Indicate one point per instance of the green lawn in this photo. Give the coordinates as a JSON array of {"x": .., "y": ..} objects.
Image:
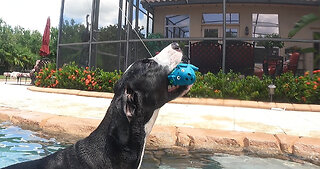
[{"x": 2, "y": 77}]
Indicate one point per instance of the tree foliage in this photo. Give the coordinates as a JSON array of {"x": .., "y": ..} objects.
[{"x": 19, "y": 48}]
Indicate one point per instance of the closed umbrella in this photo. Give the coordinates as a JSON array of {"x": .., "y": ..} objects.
[{"x": 44, "y": 50}]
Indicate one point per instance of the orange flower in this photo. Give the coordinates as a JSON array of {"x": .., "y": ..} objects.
[
  {"x": 217, "y": 91},
  {"x": 300, "y": 77},
  {"x": 100, "y": 87},
  {"x": 87, "y": 82},
  {"x": 60, "y": 69},
  {"x": 87, "y": 68},
  {"x": 89, "y": 76},
  {"x": 319, "y": 79},
  {"x": 77, "y": 71},
  {"x": 93, "y": 74},
  {"x": 306, "y": 73},
  {"x": 308, "y": 83},
  {"x": 315, "y": 87}
]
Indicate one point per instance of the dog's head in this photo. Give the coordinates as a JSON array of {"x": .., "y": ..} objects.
[{"x": 144, "y": 87}]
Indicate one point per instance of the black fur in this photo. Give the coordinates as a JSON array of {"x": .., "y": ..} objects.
[{"x": 119, "y": 139}]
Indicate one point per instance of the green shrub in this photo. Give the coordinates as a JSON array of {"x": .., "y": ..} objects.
[
  {"x": 303, "y": 89},
  {"x": 74, "y": 77},
  {"x": 231, "y": 86}
]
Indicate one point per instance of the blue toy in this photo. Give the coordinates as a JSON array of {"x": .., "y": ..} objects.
[{"x": 183, "y": 74}]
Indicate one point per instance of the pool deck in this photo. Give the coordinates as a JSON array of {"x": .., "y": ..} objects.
[{"x": 280, "y": 130}]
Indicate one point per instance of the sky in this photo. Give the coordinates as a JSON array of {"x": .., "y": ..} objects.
[{"x": 33, "y": 14}]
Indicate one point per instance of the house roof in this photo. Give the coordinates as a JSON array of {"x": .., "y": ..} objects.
[{"x": 149, "y": 4}]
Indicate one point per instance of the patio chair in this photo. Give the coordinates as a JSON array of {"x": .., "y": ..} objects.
[
  {"x": 292, "y": 63},
  {"x": 276, "y": 68},
  {"x": 240, "y": 58},
  {"x": 36, "y": 69},
  {"x": 207, "y": 56}
]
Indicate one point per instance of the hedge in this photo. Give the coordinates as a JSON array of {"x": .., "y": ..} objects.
[{"x": 302, "y": 89}]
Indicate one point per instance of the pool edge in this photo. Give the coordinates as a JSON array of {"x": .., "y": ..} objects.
[{"x": 177, "y": 139}]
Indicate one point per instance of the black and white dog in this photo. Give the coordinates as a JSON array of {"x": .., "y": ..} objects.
[{"x": 119, "y": 140}]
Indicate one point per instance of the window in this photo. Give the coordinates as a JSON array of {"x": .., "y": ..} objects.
[
  {"x": 231, "y": 33},
  {"x": 177, "y": 26},
  {"x": 212, "y": 33},
  {"x": 212, "y": 24},
  {"x": 217, "y": 18},
  {"x": 264, "y": 24}
]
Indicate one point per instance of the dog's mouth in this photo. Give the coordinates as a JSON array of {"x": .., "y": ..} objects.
[
  {"x": 176, "y": 89},
  {"x": 172, "y": 88}
]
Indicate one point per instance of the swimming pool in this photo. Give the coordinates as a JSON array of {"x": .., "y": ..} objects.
[{"x": 18, "y": 145}]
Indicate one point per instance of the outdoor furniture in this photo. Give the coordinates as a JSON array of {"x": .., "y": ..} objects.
[
  {"x": 37, "y": 67},
  {"x": 292, "y": 63},
  {"x": 240, "y": 58},
  {"x": 207, "y": 56},
  {"x": 275, "y": 66},
  {"x": 16, "y": 75}
]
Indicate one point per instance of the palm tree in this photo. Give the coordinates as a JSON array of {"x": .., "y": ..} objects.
[{"x": 303, "y": 22}]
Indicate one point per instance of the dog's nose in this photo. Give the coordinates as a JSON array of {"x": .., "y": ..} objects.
[{"x": 175, "y": 46}]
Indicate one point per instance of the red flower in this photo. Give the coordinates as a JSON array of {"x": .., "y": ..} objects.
[
  {"x": 89, "y": 76},
  {"x": 304, "y": 99},
  {"x": 319, "y": 79},
  {"x": 100, "y": 87},
  {"x": 77, "y": 71},
  {"x": 60, "y": 69},
  {"x": 308, "y": 83},
  {"x": 87, "y": 68},
  {"x": 315, "y": 87},
  {"x": 110, "y": 81}
]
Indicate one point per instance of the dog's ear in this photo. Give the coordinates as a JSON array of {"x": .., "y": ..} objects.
[
  {"x": 130, "y": 101},
  {"x": 127, "y": 110}
]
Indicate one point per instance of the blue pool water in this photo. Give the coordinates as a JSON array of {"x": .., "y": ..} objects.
[{"x": 18, "y": 145}]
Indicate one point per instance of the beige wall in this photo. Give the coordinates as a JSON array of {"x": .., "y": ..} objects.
[{"x": 288, "y": 16}]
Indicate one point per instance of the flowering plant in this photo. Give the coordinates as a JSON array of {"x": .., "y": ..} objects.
[
  {"x": 74, "y": 77},
  {"x": 289, "y": 88}
]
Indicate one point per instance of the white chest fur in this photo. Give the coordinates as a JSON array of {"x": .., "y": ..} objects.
[{"x": 147, "y": 129}]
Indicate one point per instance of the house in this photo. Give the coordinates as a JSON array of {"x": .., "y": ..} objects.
[{"x": 244, "y": 19}]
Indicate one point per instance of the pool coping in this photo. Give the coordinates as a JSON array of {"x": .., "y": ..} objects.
[
  {"x": 180, "y": 139},
  {"x": 198, "y": 101},
  {"x": 177, "y": 140}
]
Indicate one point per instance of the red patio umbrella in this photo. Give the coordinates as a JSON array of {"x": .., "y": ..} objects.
[{"x": 44, "y": 50}]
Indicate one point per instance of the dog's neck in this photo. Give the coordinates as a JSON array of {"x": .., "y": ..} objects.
[{"x": 125, "y": 140}]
